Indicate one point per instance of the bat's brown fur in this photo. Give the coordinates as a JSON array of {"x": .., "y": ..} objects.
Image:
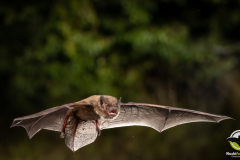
[{"x": 93, "y": 111}]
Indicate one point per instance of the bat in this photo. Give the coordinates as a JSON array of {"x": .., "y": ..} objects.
[{"x": 81, "y": 122}]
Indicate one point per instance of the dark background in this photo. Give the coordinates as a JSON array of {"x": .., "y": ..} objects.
[{"x": 179, "y": 53}]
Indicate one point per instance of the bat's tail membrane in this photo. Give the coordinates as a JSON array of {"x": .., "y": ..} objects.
[{"x": 79, "y": 133}]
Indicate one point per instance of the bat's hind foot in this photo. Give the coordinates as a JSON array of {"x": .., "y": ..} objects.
[
  {"x": 97, "y": 128},
  {"x": 99, "y": 131},
  {"x": 62, "y": 135}
]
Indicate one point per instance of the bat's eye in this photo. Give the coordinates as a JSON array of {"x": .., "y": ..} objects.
[{"x": 106, "y": 107}]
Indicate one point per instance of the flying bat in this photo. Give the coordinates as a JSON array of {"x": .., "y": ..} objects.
[{"x": 81, "y": 122}]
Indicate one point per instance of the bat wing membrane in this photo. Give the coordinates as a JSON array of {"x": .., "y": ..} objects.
[
  {"x": 157, "y": 117},
  {"x": 51, "y": 119}
]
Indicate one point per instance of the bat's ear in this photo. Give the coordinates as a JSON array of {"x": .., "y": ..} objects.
[
  {"x": 119, "y": 102},
  {"x": 102, "y": 102}
]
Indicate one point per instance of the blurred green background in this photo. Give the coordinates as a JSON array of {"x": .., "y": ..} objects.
[{"x": 179, "y": 53}]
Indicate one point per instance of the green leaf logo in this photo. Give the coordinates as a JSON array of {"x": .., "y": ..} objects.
[{"x": 234, "y": 145}]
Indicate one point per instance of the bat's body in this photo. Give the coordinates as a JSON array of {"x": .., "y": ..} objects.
[{"x": 81, "y": 122}]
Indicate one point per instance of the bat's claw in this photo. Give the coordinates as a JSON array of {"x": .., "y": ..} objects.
[
  {"x": 62, "y": 135},
  {"x": 99, "y": 131}
]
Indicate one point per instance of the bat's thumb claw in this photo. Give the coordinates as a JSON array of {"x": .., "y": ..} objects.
[{"x": 62, "y": 135}]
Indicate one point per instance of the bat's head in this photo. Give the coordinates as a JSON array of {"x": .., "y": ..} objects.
[{"x": 109, "y": 105}]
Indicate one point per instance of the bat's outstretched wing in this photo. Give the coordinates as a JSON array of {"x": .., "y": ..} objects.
[
  {"x": 51, "y": 119},
  {"x": 77, "y": 133},
  {"x": 157, "y": 117}
]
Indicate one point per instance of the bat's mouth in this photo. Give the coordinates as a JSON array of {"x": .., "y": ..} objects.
[{"x": 112, "y": 112}]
